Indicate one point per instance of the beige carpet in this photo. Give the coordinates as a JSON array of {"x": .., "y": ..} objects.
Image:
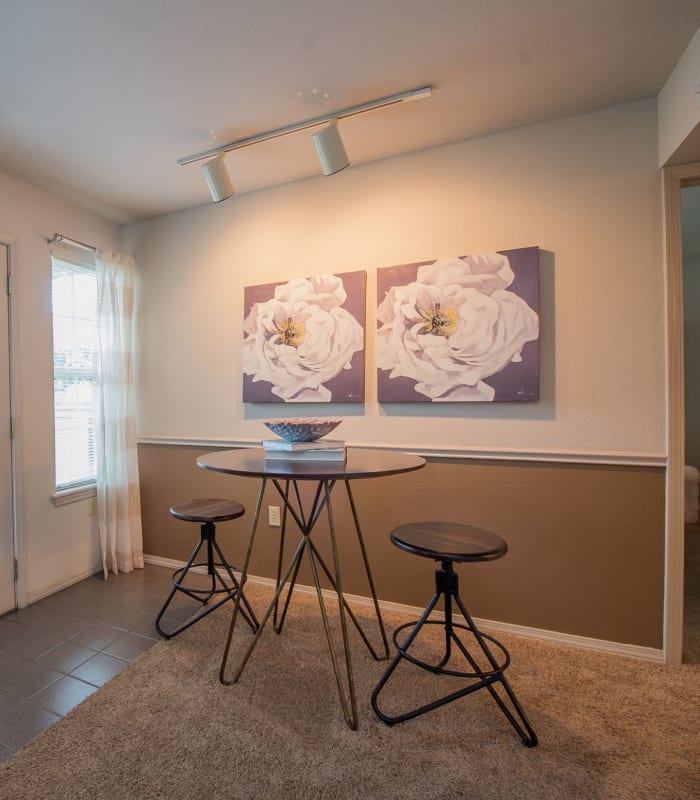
[{"x": 609, "y": 727}]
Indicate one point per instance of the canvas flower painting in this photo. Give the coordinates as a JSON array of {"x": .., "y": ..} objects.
[
  {"x": 304, "y": 340},
  {"x": 460, "y": 329}
]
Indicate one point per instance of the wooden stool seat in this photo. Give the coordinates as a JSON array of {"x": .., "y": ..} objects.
[
  {"x": 467, "y": 653},
  {"x": 449, "y": 541},
  {"x": 207, "y": 511}
]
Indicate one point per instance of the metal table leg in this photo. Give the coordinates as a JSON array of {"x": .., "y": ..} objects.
[{"x": 306, "y": 522}]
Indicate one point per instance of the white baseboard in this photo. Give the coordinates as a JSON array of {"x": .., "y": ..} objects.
[
  {"x": 567, "y": 639},
  {"x": 52, "y": 588}
]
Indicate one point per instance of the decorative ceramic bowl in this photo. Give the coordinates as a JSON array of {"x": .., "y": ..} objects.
[{"x": 302, "y": 430}]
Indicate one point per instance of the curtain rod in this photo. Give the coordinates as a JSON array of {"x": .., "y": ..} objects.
[{"x": 59, "y": 237}]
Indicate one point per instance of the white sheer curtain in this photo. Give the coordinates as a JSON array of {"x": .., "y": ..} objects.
[{"x": 118, "y": 500}]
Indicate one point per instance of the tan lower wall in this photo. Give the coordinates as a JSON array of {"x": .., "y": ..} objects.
[{"x": 586, "y": 542}]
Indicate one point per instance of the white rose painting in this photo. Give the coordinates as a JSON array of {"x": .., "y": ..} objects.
[
  {"x": 304, "y": 340},
  {"x": 460, "y": 329}
]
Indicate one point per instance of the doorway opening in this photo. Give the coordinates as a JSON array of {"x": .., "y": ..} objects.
[
  {"x": 675, "y": 179},
  {"x": 690, "y": 219}
]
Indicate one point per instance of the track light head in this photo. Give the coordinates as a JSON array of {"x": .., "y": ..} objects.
[
  {"x": 330, "y": 149},
  {"x": 217, "y": 178}
]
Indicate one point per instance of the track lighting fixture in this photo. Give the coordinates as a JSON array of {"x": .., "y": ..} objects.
[
  {"x": 329, "y": 145},
  {"x": 217, "y": 178}
]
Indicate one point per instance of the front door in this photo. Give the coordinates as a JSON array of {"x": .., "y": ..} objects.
[{"x": 7, "y": 550}]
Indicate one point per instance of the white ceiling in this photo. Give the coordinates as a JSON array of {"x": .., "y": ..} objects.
[{"x": 99, "y": 98}]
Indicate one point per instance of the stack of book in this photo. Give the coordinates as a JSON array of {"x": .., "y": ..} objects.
[{"x": 320, "y": 450}]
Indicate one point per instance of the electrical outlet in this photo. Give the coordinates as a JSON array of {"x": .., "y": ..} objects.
[
  {"x": 273, "y": 514},
  {"x": 92, "y": 506}
]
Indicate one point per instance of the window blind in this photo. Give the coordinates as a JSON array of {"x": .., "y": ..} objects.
[{"x": 75, "y": 338}]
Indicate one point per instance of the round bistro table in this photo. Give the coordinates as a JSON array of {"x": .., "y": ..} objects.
[{"x": 285, "y": 476}]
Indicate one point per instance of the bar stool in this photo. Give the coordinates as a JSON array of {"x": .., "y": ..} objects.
[
  {"x": 449, "y": 542},
  {"x": 207, "y": 511}
]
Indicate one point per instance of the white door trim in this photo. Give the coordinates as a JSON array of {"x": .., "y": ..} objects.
[
  {"x": 20, "y": 587},
  {"x": 673, "y": 180},
  {"x": 9, "y": 598}
]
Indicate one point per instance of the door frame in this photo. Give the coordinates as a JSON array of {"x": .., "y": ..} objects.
[
  {"x": 674, "y": 179},
  {"x": 10, "y": 243}
]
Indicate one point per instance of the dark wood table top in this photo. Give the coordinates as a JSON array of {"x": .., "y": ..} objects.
[{"x": 360, "y": 463}]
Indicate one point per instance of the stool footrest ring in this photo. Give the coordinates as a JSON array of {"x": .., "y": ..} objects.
[
  {"x": 193, "y": 591},
  {"x": 441, "y": 670}
]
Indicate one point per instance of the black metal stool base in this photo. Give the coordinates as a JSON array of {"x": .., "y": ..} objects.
[
  {"x": 219, "y": 586},
  {"x": 446, "y": 585}
]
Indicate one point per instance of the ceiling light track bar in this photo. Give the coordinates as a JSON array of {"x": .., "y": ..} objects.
[
  {"x": 394, "y": 99},
  {"x": 59, "y": 237}
]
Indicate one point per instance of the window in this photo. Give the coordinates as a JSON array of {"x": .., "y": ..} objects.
[{"x": 74, "y": 301}]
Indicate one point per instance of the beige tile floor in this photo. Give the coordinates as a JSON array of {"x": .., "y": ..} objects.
[{"x": 57, "y": 652}]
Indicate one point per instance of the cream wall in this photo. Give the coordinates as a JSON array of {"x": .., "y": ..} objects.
[
  {"x": 585, "y": 189},
  {"x": 57, "y": 545}
]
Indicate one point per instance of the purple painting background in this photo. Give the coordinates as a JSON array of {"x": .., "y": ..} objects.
[
  {"x": 518, "y": 381},
  {"x": 349, "y": 385}
]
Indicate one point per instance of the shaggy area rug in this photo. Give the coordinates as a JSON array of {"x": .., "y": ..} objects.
[{"x": 609, "y": 727}]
